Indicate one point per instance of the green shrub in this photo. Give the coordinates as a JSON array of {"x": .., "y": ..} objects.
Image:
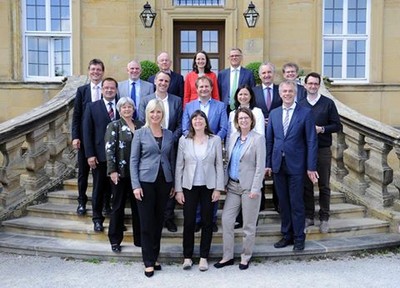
[
  {"x": 254, "y": 66},
  {"x": 149, "y": 68}
]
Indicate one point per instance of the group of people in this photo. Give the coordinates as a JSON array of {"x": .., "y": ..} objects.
[{"x": 160, "y": 141}]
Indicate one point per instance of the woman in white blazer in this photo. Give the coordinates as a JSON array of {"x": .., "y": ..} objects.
[
  {"x": 244, "y": 176},
  {"x": 244, "y": 97},
  {"x": 198, "y": 179}
]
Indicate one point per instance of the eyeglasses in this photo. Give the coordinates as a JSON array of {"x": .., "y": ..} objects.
[
  {"x": 235, "y": 56},
  {"x": 312, "y": 84}
]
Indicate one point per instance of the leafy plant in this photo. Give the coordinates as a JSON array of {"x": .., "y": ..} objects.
[
  {"x": 149, "y": 68},
  {"x": 254, "y": 66}
]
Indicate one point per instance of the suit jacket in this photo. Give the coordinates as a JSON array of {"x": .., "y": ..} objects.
[
  {"x": 176, "y": 85},
  {"x": 147, "y": 157},
  {"x": 190, "y": 92},
  {"x": 301, "y": 93},
  {"x": 300, "y": 145},
  {"x": 260, "y": 99},
  {"x": 217, "y": 118},
  {"x": 146, "y": 88},
  {"x": 186, "y": 163},
  {"x": 224, "y": 82},
  {"x": 82, "y": 98},
  {"x": 95, "y": 124},
  {"x": 252, "y": 161},
  {"x": 175, "y": 113}
]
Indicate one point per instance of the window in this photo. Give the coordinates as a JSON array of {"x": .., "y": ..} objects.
[
  {"x": 198, "y": 2},
  {"x": 47, "y": 39},
  {"x": 191, "y": 37},
  {"x": 346, "y": 40}
]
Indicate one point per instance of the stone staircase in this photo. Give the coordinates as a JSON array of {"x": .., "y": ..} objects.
[{"x": 54, "y": 229}]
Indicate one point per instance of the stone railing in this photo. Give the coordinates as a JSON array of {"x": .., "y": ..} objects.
[
  {"x": 35, "y": 149},
  {"x": 36, "y": 157},
  {"x": 361, "y": 154}
]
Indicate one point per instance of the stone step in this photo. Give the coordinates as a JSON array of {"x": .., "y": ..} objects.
[
  {"x": 70, "y": 197},
  {"x": 100, "y": 250},
  {"x": 268, "y": 216},
  {"x": 83, "y": 230}
]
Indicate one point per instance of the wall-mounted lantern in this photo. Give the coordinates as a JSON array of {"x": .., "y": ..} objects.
[
  {"x": 251, "y": 15},
  {"x": 147, "y": 16}
]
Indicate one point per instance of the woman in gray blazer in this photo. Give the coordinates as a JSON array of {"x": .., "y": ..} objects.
[
  {"x": 244, "y": 176},
  {"x": 152, "y": 176},
  {"x": 198, "y": 180}
]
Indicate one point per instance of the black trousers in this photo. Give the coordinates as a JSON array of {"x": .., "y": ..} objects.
[
  {"x": 197, "y": 195},
  {"x": 122, "y": 192},
  {"x": 83, "y": 175},
  {"x": 324, "y": 172},
  {"x": 151, "y": 214},
  {"x": 101, "y": 188}
]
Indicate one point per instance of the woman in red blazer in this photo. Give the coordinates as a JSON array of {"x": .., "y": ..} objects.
[{"x": 201, "y": 66}]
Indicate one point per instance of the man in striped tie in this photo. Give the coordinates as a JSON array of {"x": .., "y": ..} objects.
[
  {"x": 97, "y": 116},
  {"x": 291, "y": 152}
]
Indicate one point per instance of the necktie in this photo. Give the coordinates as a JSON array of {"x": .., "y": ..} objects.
[
  {"x": 286, "y": 121},
  {"x": 133, "y": 96},
  {"x": 96, "y": 93},
  {"x": 233, "y": 90},
  {"x": 111, "y": 111},
  {"x": 269, "y": 98}
]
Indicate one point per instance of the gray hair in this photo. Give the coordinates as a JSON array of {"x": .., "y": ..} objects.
[
  {"x": 151, "y": 106},
  {"x": 124, "y": 100}
]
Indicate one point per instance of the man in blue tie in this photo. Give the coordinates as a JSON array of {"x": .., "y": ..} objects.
[
  {"x": 134, "y": 87},
  {"x": 291, "y": 152}
]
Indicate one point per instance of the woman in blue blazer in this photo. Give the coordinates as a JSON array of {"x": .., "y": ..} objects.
[
  {"x": 152, "y": 176},
  {"x": 198, "y": 180}
]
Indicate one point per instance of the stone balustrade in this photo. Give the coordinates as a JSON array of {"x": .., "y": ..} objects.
[
  {"x": 35, "y": 149},
  {"x": 37, "y": 156}
]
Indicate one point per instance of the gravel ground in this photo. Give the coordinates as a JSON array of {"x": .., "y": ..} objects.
[{"x": 372, "y": 270}]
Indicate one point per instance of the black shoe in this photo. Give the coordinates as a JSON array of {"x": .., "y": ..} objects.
[
  {"x": 81, "y": 210},
  {"x": 283, "y": 243},
  {"x": 238, "y": 225},
  {"x": 197, "y": 228},
  {"x": 244, "y": 266},
  {"x": 221, "y": 265},
  {"x": 298, "y": 246},
  {"x": 171, "y": 226},
  {"x": 157, "y": 267},
  {"x": 215, "y": 227},
  {"x": 98, "y": 227},
  {"x": 149, "y": 273},
  {"x": 116, "y": 248}
]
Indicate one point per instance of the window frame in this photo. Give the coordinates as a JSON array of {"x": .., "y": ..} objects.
[
  {"x": 51, "y": 37},
  {"x": 345, "y": 37}
]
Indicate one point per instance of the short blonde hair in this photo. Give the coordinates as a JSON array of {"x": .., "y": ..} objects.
[{"x": 154, "y": 104}]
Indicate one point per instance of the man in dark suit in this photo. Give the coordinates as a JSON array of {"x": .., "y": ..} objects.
[
  {"x": 231, "y": 78},
  {"x": 97, "y": 116},
  {"x": 172, "y": 122},
  {"x": 134, "y": 87},
  {"x": 267, "y": 98},
  {"x": 291, "y": 152},
  {"x": 290, "y": 71},
  {"x": 85, "y": 94},
  {"x": 176, "y": 84}
]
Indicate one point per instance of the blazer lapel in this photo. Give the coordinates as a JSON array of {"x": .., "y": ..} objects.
[
  {"x": 246, "y": 144},
  {"x": 293, "y": 121}
]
